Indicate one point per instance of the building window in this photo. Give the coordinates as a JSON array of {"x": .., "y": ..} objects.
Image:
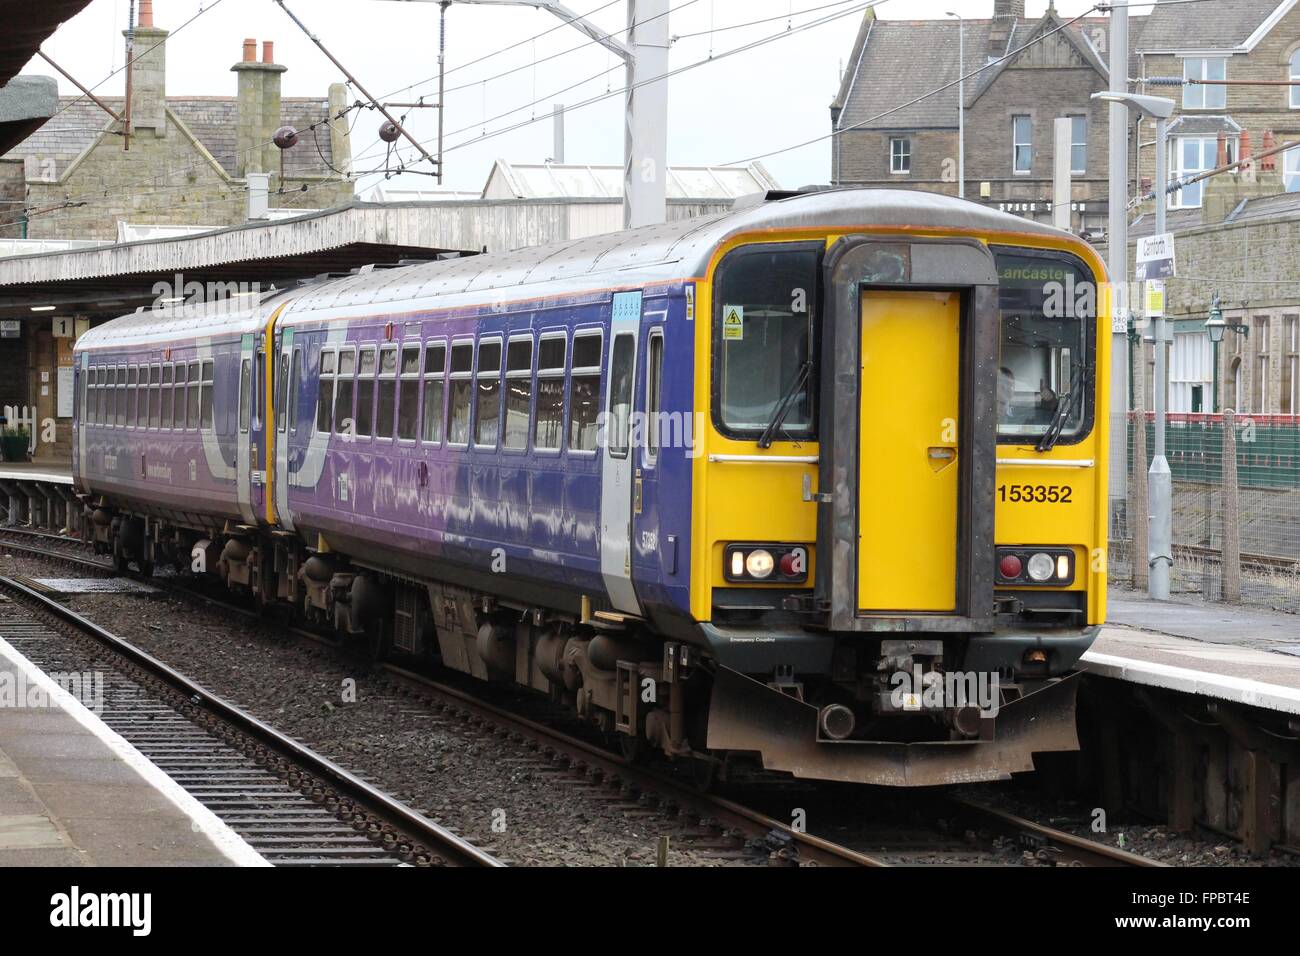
[
  {"x": 1191, "y": 155},
  {"x": 900, "y": 155},
  {"x": 1295, "y": 78},
  {"x": 1197, "y": 97},
  {"x": 1291, "y": 367},
  {"x": 1078, "y": 145},
  {"x": 1259, "y": 403},
  {"x": 1291, "y": 169},
  {"x": 1022, "y": 144}
]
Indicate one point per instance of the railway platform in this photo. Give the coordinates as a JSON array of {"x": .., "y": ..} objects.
[
  {"x": 38, "y": 494},
  {"x": 1243, "y": 655},
  {"x": 74, "y": 793}
]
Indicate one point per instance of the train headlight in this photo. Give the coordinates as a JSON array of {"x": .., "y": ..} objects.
[
  {"x": 1041, "y": 566},
  {"x": 759, "y": 564},
  {"x": 766, "y": 563}
]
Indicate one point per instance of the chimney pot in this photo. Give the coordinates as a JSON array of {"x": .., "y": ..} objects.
[
  {"x": 250, "y": 50},
  {"x": 268, "y": 51},
  {"x": 146, "y": 13},
  {"x": 1269, "y": 163},
  {"x": 1221, "y": 159}
]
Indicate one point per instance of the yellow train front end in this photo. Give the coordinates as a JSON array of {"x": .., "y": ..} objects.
[{"x": 899, "y": 531}]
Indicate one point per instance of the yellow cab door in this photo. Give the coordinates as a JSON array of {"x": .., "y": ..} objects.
[{"x": 908, "y": 474}]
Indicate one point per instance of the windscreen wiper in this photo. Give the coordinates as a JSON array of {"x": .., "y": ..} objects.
[
  {"x": 783, "y": 407},
  {"x": 1064, "y": 409}
]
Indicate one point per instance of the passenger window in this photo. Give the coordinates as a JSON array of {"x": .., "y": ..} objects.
[
  {"x": 325, "y": 400},
  {"x": 178, "y": 395},
  {"x": 281, "y": 395},
  {"x": 408, "y": 398},
  {"x": 548, "y": 430},
  {"x": 435, "y": 371},
  {"x": 519, "y": 391},
  {"x": 295, "y": 383},
  {"x": 132, "y": 384},
  {"x": 584, "y": 392},
  {"x": 120, "y": 392},
  {"x": 653, "y": 393},
  {"x": 462, "y": 365},
  {"x": 166, "y": 420},
  {"x": 245, "y": 388},
  {"x": 621, "y": 367},
  {"x": 343, "y": 421},
  {"x": 366, "y": 394},
  {"x": 488, "y": 381},
  {"x": 192, "y": 397},
  {"x": 205, "y": 397},
  {"x": 155, "y": 396},
  {"x": 387, "y": 392}
]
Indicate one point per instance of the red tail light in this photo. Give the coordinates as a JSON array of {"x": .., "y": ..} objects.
[{"x": 1010, "y": 567}]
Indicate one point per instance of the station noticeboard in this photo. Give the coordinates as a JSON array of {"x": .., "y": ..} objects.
[{"x": 1155, "y": 257}]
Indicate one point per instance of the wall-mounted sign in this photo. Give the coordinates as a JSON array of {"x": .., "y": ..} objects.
[{"x": 10, "y": 329}]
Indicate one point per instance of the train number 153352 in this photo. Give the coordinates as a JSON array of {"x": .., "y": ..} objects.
[{"x": 1037, "y": 494}]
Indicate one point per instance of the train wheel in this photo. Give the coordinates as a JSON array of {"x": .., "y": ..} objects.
[{"x": 119, "y": 557}]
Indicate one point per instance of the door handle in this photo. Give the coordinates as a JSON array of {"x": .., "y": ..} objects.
[{"x": 940, "y": 456}]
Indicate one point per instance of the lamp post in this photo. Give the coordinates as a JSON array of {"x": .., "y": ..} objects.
[
  {"x": 961, "y": 104},
  {"x": 1160, "y": 486},
  {"x": 1215, "y": 326}
]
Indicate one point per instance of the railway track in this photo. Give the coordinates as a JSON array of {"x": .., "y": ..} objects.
[
  {"x": 291, "y": 805},
  {"x": 727, "y": 825}
]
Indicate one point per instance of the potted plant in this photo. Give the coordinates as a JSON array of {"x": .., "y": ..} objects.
[{"x": 13, "y": 443}]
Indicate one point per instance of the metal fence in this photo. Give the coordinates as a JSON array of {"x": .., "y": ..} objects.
[{"x": 1236, "y": 508}]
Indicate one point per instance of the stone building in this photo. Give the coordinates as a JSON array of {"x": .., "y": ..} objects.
[
  {"x": 189, "y": 158},
  {"x": 1237, "y": 41},
  {"x": 884, "y": 138}
]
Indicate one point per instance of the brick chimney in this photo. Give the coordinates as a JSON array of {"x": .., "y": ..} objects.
[
  {"x": 258, "y": 110},
  {"x": 148, "y": 75},
  {"x": 1006, "y": 13},
  {"x": 1254, "y": 179}
]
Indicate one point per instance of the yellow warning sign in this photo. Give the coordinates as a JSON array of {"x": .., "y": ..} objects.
[
  {"x": 1155, "y": 298},
  {"x": 733, "y": 323}
]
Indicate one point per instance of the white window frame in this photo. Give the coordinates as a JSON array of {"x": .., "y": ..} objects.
[
  {"x": 1293, "y": 98},
  {"x": 900, "y": 160},
  {"x": 505, "y": 389},
  {"x": 1017, "y": 145},
  {"x": 452, "y": 379},
  {"x": 409, "y": 345},
  {"x": 548, "y": 374},
  {"x": 1075, "y": 119},
  {"x": 1291, "y": 169},
  {"x": 586, "y": 370},
  {"x": 428, "y": 375},
  {"x": 474, "y": 410},
  {"x": 1209, "y": 146},
  {"x": 1204, "y": 97}
]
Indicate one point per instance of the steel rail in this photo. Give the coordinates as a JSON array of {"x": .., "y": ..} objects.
[{"x": 443, "y": 842}]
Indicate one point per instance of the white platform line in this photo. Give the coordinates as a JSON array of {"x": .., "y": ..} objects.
[
  {"x": 230, "y": 844},
  {"x": 1239, "y": 690}
]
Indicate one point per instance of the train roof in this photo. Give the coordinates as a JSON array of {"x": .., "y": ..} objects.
[
  {"x": 647, "y": 255},
  {"x": 673, "y": 250}
]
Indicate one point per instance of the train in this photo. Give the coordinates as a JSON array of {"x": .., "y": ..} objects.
[{"x": 816, "y": 485}]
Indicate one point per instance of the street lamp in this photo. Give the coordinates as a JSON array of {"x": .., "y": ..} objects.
[
  {"x": 1215, "y": 326},
  {"x": 1160, "y": 485},
  {"x": 961, "y": 104}
]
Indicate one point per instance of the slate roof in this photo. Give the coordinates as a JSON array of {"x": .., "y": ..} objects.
[
  {"x": 212, "y": 119},
  {"x": 1208, "y": 25},
  {"x": 894, "y": 61}
]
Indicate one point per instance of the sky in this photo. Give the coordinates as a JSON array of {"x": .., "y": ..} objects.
[{"x": 724, "y": 110}]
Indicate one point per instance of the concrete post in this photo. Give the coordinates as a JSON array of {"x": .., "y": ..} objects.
[
  {"x": 645, "y": 153},
  {"x": 1137, "y": 486},
  {"x": 1117, "y": 258},
  {"x": 1061, "y": 173},
  {"x": 1230, "y": 569},
  {"x": 1160, "y": 489}
]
